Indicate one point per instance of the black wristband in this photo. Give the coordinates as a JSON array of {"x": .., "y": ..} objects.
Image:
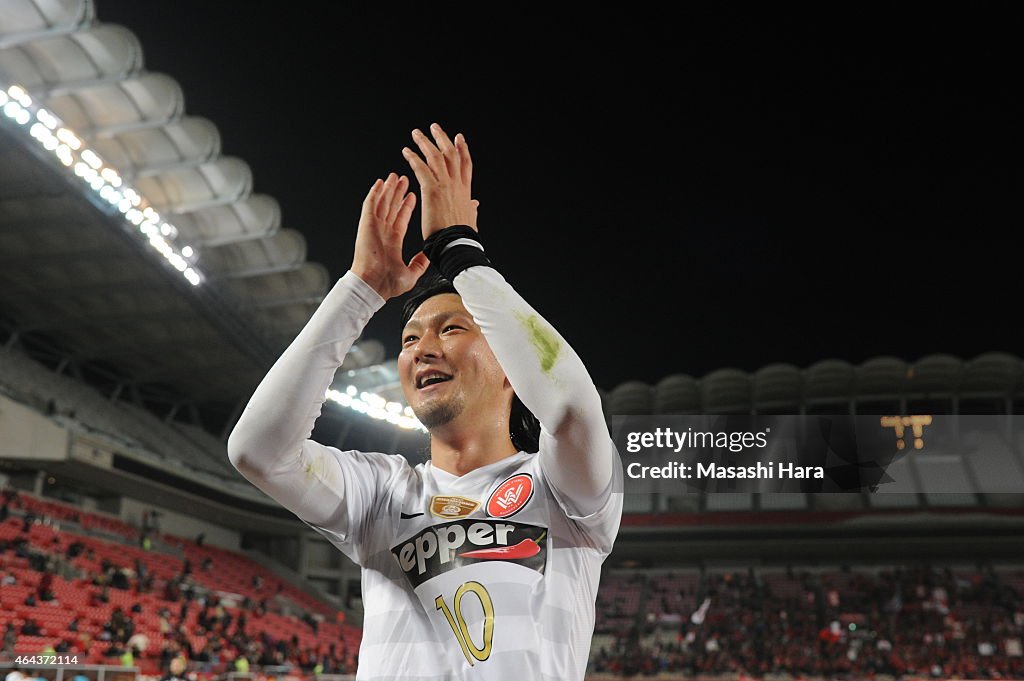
[{"x": 452, "y": 261}]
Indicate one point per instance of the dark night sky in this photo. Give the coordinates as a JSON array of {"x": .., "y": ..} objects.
[{"x": 674, "y": 193}]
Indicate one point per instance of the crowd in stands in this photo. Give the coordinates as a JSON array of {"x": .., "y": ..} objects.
[
  {"x": 124, "y": 603},
  {"x": 915, "y": 620}
]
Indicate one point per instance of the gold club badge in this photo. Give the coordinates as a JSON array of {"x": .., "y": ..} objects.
[{"x": 451, "y": 507}]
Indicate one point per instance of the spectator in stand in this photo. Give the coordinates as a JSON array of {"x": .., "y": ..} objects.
[
  {"x": 206, "y": 654},
  {"x": 138, "y": 642},
  {"x": 30, "y": 628},
  {"x": 8, "y": 579},
  {"x": 165, "y": 622},
  {"x": 117, "y": 625},
  {"x": 119, "y": 580},
  {"x": 176, "y": 670},
  {"x": 10, "y": 637},
  {"x": 200, "y": 538},
  {"x": 242, "y": 621},
  {"x": 45, "y": 591},
  {"x": 73, "y": 624},
  {"x": 172, "y": 590},
  {"x": 37, "y": 561}
]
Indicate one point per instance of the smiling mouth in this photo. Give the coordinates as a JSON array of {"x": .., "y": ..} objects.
[{"x": 430, "y": 381}]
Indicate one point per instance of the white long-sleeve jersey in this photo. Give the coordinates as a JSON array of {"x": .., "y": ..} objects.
[{"x": 491, "y": 576}]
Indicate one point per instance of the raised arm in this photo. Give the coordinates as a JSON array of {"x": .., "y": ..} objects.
[
  {"x": 547, "y": 375},
  {"x": 270, "y": 444}
]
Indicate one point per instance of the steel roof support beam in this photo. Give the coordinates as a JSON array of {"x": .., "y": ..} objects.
[
  {"x": 236, "y": 413},
  {"x": 71, "y": 290},
  {"x": 214, "y": 241},
  {"x": 96, "y": 254},
  {"x": 167, "y": 166},
  {"x": 12, "y": 39},
  {"x": 70, "y": 86},
  {"x": 280, "y": 302},
  {"x": 141, "y": 348},
  {"x": 256, "y": 272},
  {"x": 66, "y": 223},
  {"x": 77, "y": 323},
  {"x": 163, "y": 373},
  {"x": 119, "y": 128},
  {"x": 188, "y": 207}
]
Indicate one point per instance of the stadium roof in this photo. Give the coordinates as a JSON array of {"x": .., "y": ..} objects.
[
  {"x": 183, "y": 292},
  {"x": 994, "y": 377}
]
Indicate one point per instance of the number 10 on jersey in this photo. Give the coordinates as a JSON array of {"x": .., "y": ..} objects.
[{"x": 458, "y": 622}]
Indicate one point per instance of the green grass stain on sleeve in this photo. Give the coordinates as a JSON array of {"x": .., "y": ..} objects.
[
  {"x": 545, "y": 343},
  {"x": 314, "y": 469}
]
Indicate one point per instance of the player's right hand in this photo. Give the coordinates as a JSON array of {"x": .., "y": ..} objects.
[{"x": 378, "y": 253}]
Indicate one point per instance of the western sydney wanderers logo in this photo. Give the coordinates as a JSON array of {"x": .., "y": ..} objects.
[
  {"x": 511, "y": 496},
  {"x": 452, "y": 507}
]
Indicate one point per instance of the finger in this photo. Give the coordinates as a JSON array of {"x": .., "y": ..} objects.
[
  {"x": 396, "y": 200},
  {"x": 435, "y": 160},
  {"x": 384, "y": 199},
  {"x": 371, "y": 196},
  {"x": 404, "y": 213},
  {"x": 419, "y": 264},
  {"x": 424, "y": 175},
  {"x": 467, "y": 160},
  {"x": 450, "y": 154},
  {"x": 371, "y": 201}
]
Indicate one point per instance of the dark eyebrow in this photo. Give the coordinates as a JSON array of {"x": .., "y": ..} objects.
[{"x": 435, "y": 319}]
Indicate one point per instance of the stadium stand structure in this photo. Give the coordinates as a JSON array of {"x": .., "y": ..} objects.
[
  {"x": 282, "y": 624},
  {"x": 82, "y": 286},
  {"x": 910, "y": 620}
]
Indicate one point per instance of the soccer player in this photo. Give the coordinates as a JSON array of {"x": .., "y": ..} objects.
[{"x": 482, "y": 563}]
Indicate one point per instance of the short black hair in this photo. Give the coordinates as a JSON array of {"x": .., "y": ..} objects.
[{"x": 523, "y": 426}]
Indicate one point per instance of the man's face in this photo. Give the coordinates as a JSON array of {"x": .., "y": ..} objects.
[{"x": 447, "y": 368}]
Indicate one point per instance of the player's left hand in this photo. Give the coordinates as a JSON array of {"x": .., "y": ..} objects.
[{"x": 445, "y": 179}]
